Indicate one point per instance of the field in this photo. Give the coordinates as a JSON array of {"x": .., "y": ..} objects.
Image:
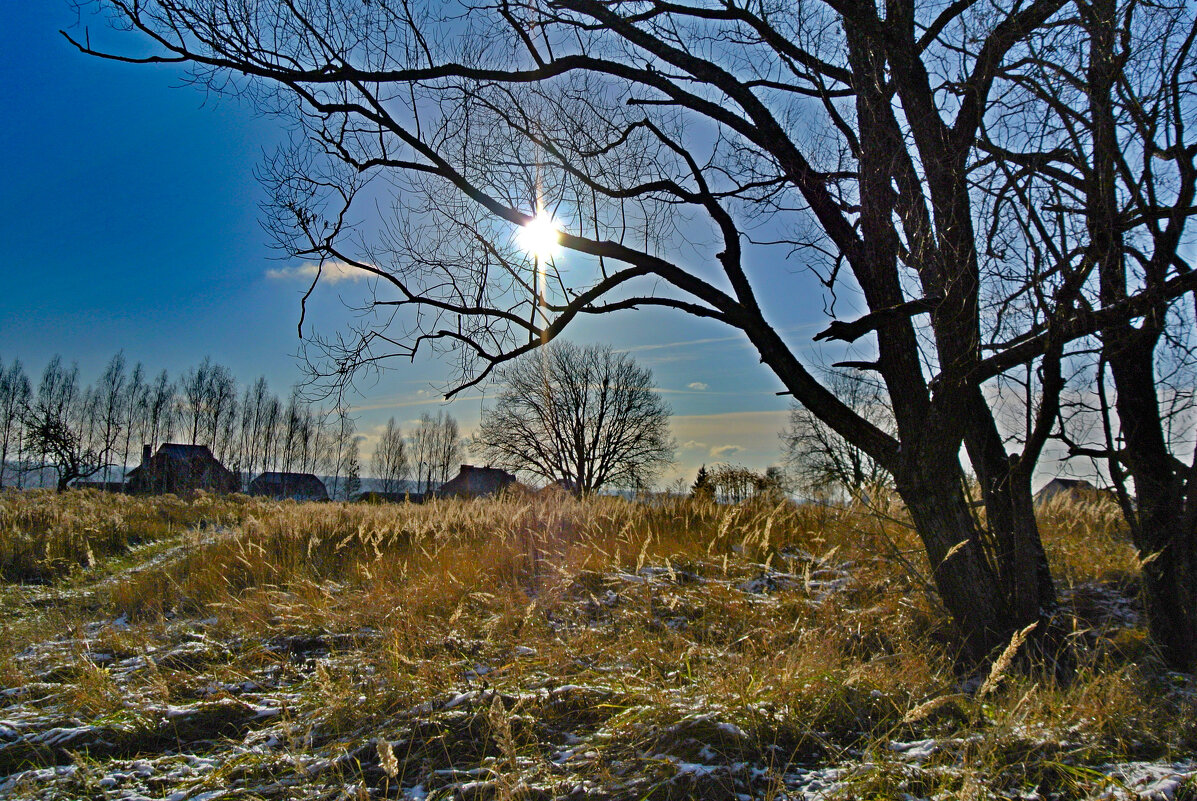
[{"x": 543, "y": 647}]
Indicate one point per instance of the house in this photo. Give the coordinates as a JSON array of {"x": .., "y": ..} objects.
[
  {"x": 1073, "y": 488},
  {"x": 180, "y": 469},
  {"x": 297, "y": 486},
  {"x": 475, "y": 482},
  {"x": 102, "y": 486}
]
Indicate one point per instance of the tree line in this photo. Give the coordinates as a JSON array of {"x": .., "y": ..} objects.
[{"x": 96, "y": 431}]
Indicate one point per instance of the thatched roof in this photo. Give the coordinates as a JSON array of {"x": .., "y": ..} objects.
[
  {"x": 474, "y": 482},
  {"x": 300, "y": 486}
]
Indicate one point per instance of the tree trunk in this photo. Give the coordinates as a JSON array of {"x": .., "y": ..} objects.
[
  {"x": 1164, "y": 525},
  {"x": 1170, "y": 588},
  {"x": 990, "y": 596}
]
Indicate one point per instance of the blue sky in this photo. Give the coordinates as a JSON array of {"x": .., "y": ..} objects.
[{"x": 130, "y": 218}]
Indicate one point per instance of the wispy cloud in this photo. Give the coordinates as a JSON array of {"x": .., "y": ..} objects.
[
  {"x": 698, "y": 386},
  {"x": 333, "y": 272},
  {"x": 724, "y": 451},
  {"x": 738, "y": 337},
  {"x": 682, "y": 344},
  {"x": 693, "y": 445}
]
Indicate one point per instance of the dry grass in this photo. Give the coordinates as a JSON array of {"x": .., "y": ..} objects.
[
  {"x": 45, "y": 535},
  {"x": 529, "y": 643}
]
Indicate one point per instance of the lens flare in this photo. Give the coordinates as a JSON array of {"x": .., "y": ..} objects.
[{"x": 540, "y": 237}]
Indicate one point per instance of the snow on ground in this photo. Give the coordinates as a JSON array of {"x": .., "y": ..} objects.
[{"x": 247, "y": 723}]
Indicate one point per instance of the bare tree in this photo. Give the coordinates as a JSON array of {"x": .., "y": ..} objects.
[
  {"x": 352, "y": 471},
  {"x": 448, "y": 446},
  {"x": 208, "y": 405},
  {"x": 734, "y": 483},
  {"x": 344, "y": 430},
  {"x": 254, "y": 421},
  {"x": 108, "y": 398},
  {"x": 824, "y": 462},
  {"x": 132, "y": 411},
  {"x": 435, "y": 449},
  {"x": 193, "y": 395},
  {"x": 1112, "y": 166},
  {"x": 390, "y": 458},
  {"x": 55, "y": 422},
  {"x": 158, "y": 420},
  {"x": 422, "y": 451},
  {"x": 14, "y": 399},
  {"x": 586, "y": 416},
  {"x": 845, "y": 133}
]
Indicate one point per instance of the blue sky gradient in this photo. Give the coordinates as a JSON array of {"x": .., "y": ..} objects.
[{"x": 130, "y": 212}]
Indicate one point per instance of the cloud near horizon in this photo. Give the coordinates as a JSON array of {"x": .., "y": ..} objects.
[
  {"x": 724, "y": 451},
  {"x": 333, "y": 272}
]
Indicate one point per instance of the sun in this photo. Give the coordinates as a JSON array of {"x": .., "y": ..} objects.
[{"x": 540, "y": 236}]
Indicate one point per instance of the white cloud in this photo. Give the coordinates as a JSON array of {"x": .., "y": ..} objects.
[
  {"x": 332, "y": 271},
  {"x": 724, "y": 451},
  {"x": 698, "y": 386},
  {"x": 693, "y": 445}
]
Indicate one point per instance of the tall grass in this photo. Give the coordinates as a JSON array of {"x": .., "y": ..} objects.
[
  {"x": 771, "y": 632},
  {"x": 45, "y": 535}
]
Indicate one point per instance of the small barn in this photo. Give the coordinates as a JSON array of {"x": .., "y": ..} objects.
[
  {"x": 296, "y": 486},
  {"x": 180, "y": 469},
  {"x": 476, "y": 482},
  {"x": 1073, "y": 488}
]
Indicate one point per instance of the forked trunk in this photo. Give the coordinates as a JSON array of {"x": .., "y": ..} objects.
[{"x": 991, "y": 592}]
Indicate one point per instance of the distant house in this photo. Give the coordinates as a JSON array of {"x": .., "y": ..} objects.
[
  {"x": 297, "y": 486},
  {"x": 180, "y": 469},
  {"x": 103, "y": 486},
  {"x": 475, "y": 482},
  {"x": 1074, "y": 488}
]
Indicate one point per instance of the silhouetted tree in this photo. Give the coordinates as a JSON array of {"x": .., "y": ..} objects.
[
  {"x": 15, "y": 393},
  {"x": 824, "y": 462},
  {"x": 54, "y": 421},
  {"x": 132, "y": 410},
  {"x": 583, "y": 415},
  {"x": 435, "y": 449},
  {"x": 391, "y": 463},
  {"x": 1103, "y": 189},
  {"x": 703, "y": 487},
  {"x": 848, "y": 134},
  {"x": 108, "y": 398}
]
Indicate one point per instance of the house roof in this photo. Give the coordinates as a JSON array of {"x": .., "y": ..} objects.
[
  {"x": 271, "y": 477},
  {"x": 177, "y": 453},
  {"x": 477, "y": 481},
  {"x": 298, "y": 483},
  {"x": 174, "y": 450}
]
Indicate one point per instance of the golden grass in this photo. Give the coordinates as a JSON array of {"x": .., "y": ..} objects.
[
  {"x": 809, "y": 629},
  {"x": 45, "y": 535}
]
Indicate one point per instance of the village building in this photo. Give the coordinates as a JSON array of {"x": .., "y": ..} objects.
[
  {"x": 180, "y": 469},
  {"x": 476, "y": 482},
  {"x": 1074, "y": 488},
  {"x": 296, "y": 486}
]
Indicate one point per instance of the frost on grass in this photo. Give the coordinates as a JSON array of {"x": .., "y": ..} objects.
[{"x": 527, "y": 649}]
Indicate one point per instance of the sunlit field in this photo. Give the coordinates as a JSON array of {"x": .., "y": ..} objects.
[{"x": 538, "y": 646}]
